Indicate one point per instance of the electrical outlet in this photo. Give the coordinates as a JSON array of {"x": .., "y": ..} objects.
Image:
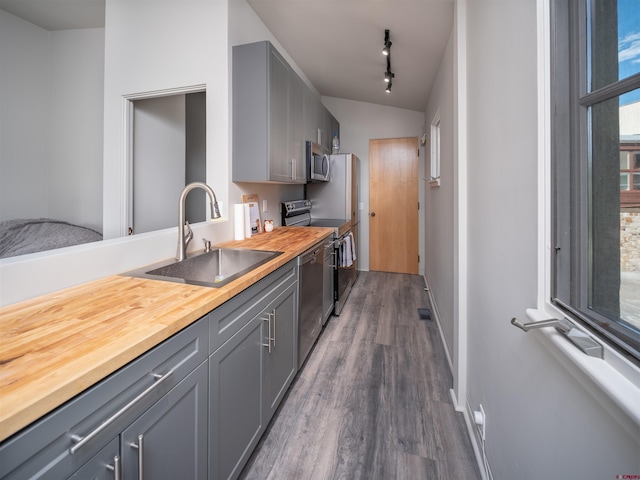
[{"x": 480, "y": 419}]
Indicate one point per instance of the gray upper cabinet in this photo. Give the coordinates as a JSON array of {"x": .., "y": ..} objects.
[
  {"x": 319, "y": 123},
  {"x": 335, "y": 127},
  {"x": 268, "y": 141},
  {"x": 323, "y": 119},
  {"x": 310, "y": 105}
]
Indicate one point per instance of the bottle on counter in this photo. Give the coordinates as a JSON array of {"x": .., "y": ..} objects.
[{"x": 335, "y": 144}]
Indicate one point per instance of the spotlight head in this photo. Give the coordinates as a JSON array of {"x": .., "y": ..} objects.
[
  {"x": 388, "y": 89},
  {"x": 387, "y": 44}
]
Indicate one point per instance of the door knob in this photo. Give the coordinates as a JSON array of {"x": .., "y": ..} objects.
[{"x": 373, "y": 214}]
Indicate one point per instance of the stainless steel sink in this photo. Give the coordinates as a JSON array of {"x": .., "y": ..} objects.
[{"x": 212, "y": 269}]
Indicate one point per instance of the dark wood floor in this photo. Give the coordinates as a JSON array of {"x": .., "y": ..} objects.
[{"x": 372, "y": 401}]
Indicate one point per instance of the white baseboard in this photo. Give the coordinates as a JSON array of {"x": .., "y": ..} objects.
[
  {"x": 436, "y": 318},
  {"x": 476, "y": 443}
]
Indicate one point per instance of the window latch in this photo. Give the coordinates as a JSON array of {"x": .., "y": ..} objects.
[{"x": 579, "y": 338}]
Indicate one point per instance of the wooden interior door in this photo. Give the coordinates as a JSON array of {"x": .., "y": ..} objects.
[{"x": 393, "y": 203}]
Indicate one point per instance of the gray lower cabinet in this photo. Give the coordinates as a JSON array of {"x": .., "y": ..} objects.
[
  {"x": 251, "y": 371},
  {"x": 235, "y": 384},
  {"x": 281, "y": 360},
  {"x": 169, "y": 440},
  {"x": 155, "y": 393},
  {"x": 103, "y": 465},
  {"x": 193, "y": 407}
]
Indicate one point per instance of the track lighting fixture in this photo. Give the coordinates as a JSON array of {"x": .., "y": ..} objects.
[
  {"x": 388, "y": 75},
  {"x": 387, "y": 44}
]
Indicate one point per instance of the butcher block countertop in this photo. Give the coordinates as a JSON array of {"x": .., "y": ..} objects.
[{"x": 55, "y": 346}]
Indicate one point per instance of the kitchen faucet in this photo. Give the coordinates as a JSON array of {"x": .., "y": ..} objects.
[{"x": 215, "y": 213}]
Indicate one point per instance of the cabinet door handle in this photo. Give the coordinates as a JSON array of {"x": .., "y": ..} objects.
[
  {"x": 273, "y": 315},
  {"x": 271, "y": 337},
  {"x": 140, "y": 447},
  {"x": 268, "y": 320},
  {"x": 83, "y": 440},
  {"x": 293, "y": 169},
  {"x": 116, "y": 468}
]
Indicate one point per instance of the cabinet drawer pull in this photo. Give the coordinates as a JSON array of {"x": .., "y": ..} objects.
[
  {"x": 116, "y": 468},
  {"x": 140, "y": 447},
  {"x": 83, "y": 440}
]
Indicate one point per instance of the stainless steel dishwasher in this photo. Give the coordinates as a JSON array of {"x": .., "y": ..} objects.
[{"x": 310, "y": 287}]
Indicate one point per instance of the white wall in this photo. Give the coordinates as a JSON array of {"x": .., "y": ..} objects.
[
  {"x": 439, "y": 205},
  {"x": 51, "y": 116},
  {"x": 77, "y": 105},
  {"x": 25, "y": 132},
  {"x": 156, "y": 46},
  {"x": 361, "y": 122},
  {"x": 159, "y": 148},
  {"x": 541, "y": 420},
  {"x": 150, "y": 46}
]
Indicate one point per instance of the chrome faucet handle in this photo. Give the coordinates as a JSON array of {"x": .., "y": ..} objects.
[
  {"x": 183, "y": 242},
  {"x": 188, "y": 236}
]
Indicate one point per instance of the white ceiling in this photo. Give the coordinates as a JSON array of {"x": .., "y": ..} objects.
[
  {"x": 336, "y": 43},
  {"x": 58, "y": 14}
]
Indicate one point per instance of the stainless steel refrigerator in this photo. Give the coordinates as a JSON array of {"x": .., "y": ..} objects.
[{"x": 339, "y": 199}]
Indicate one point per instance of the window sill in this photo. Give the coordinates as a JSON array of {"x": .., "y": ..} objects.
[{"x": 612, "y": 379}]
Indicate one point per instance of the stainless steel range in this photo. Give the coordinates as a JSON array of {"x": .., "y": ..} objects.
[{"x": 340, "y": 256}]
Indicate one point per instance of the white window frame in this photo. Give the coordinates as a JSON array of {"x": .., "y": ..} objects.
[
  {"x": 434, "y": 180},
  {"x": 613, "y": 380}
]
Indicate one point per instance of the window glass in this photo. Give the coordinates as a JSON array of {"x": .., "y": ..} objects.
[
  {"x": 613, "y": 37},
  {"x": 624, "y": 160},
  {"x": 628, "y": 38},
  {"x": 597, "y": 169},
  {"x": 624, "y": 181},
  {"x": 612, "y": 213}
]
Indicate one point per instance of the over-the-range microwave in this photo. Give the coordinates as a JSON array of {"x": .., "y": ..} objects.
[{"x": 317, "y": 163}]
